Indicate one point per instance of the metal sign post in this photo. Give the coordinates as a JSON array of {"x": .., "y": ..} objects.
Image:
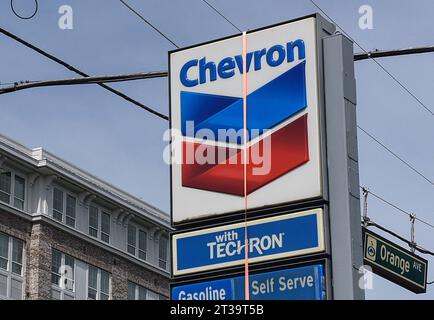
[{"x": 343, "y": 168}]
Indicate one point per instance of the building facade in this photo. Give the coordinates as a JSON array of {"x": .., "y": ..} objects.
[{"x": 65, "y": 234}]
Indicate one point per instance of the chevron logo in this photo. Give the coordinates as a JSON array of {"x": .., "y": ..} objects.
[{"x": 277, "y": 132}]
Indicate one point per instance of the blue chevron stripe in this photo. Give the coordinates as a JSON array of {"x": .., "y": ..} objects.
[{"x": 268, "y": 106}]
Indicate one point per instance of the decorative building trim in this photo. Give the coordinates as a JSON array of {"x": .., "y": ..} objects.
[
  {"x": 41, "y": 160},
  {"x": 127, "y": 219},
  {"x": 3, "y": 159},
  {"x": 82, "y": 196},
  {"x": 85, "y": 237},
  {"x": 89, "y": 199},
  {"x": 115, "y": 214},
  {"x": 49, "y": 179},
  {"x": 32, "y": 178}
]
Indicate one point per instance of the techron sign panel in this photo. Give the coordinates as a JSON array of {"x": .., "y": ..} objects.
[
  {"x": 302, "y": 283},
  {"x": 276, "y": 148},
  {"x": 271, "y": 238},
  {"x": 394, "y": 262}
]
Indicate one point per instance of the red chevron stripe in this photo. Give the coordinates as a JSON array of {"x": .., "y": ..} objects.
[{"x": 289, "y": 150}]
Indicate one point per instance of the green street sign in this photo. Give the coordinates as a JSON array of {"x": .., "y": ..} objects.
[{"x": 394, "y": 262}]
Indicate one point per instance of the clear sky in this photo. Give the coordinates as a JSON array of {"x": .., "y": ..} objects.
[{"x": 122, "y": 144}]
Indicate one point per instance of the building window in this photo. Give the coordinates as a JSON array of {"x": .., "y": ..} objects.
[
  {"x": 11, "y": 267},
  {"x": 12, "y": 189},
  {"x": 70, "y": 211},
  {"x": 131, "y": 243},
  {"x": 4, "y": 251},
  {"x": 62, "y": 270},
  {"x": 131, "y": 291},
  {"x": 162, "y": 253},
  {"x": 98, "y": 287},
  {"x": 19, "y": 191},
  {"x": 57, "y": 204},
  {"x": 56, "y": 267},
  {"x": 11, "y": 254},
  {"x": 104, "y": 285},
  {"x": 136, "y": 292},
  {"x": 5, "y": 187},
  {"x": 99, "y": 224},
  {"x": 142, "y": 244},
  {"x": 64, "y": 204},
  {"x": 93, "y": 221},
  {"x": 17, "y": 256},
  {"x": 137, "y": 241},
  {"x": 92, "y": 285},
  {"x": 105, "y": 227}
]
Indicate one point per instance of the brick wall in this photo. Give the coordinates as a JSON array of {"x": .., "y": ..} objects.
[{"x": 40, "y": 237}]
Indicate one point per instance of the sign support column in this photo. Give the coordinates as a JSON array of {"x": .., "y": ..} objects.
[{"x": 343, "y": 168}]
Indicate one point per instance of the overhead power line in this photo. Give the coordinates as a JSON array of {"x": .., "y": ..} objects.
[
  {"x": 11, "y": 83},
  {"x": 376, "y": 62},
  {"x": 398, "y": 208},
  {"x": 411, "y": 244},
  {"x": 81, "y": 73},
  {"x": 357, "y": 57},
  {"x": 147, "y": 22},
  {"x": 396, "y": 156},
  {"x": 391, "y": 53},
  {"x": 87, "y": 80},
  {"x": 221, "y": 15},
  {"x": 26, "y": 84},
  {"x": 368, "y": 222}
]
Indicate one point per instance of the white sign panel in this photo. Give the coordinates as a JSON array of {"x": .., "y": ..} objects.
[{"x": 280, "y": 157}]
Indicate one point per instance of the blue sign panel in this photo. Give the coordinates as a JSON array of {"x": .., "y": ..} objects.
[
  {"x": 270, "y": 238},
  {"x": 305, "y": 283}
]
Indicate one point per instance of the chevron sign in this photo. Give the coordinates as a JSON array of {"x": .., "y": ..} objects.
[{"x": 277, "y": 152}]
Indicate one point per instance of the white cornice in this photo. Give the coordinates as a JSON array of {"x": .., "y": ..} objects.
[{"x": 40, "y": 158}]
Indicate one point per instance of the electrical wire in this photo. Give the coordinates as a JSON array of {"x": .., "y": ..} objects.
[
  {"x": 221, "y": 15},
  {"x": 81, "y": 73},
  {"x": 88, "y": 80},
  {"x": 391, "y": 53},
  {"x": 378, "y": 63},
  {"x": 396, "y": 207},
  {"x": 147, "y": 22},
  {"x": 10, "y": 83},
  {"x": 367, "y": 222},
  {"x": 411, "y": 244},
  {"x": 395, "y": 155},
  {"x": 20, "y": 85}
]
